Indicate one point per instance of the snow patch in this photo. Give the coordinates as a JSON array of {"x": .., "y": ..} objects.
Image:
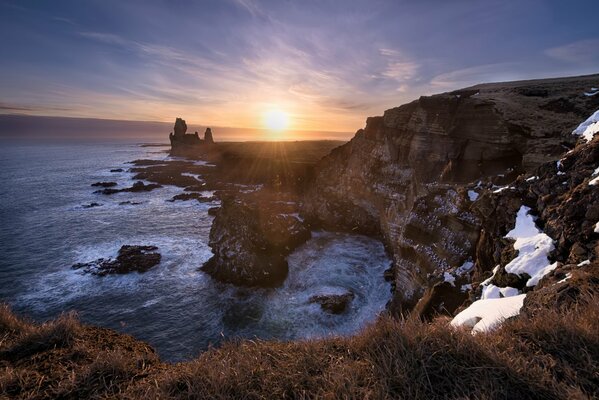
[
  {"x": 582, "y": 264},
  {"x": 596, "y": 230},
  {"x": 588, "y": 128},
  {"x": 491, "y": 292},
  {"x": 466, "y": 287},
  {"x": 532, "y": 178},
  {"x": 533, "y": 248},
  {"x": 447, "y": 277},
  {"x": 472, "y": 195},
  {"x": 568, "y": 276},
  {"x": 485, "y": 315}
]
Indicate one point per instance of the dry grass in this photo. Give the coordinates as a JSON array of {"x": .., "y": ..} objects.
[{"x": 553, "y": 355}]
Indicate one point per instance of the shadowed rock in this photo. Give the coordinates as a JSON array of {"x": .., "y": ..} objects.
[
  {"x": 333, "y": 303},
  {"x": 104, "y": 184},
  {"x": 137, "y": 187},
  {"x": 129, "y": 259}
]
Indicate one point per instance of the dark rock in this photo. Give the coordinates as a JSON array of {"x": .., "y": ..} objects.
[
  {"x": 129, "y": 203},
  {"x": 333, "y": 303},
  {"x": 192, "y": 196},
  {"x": 180, "y": 127},
  {"x": 104, "y": 184},
  {"x": 90, "y": 205},
  {"x": 251, "y": 236},
  {"x": 129, "y": 259},
  {"x": 116, "y": 170},
  {"x": 208, "y": 139},
  {"x": 212, "y": 211},
  {"x": 180, "y": 141},
  {"x": 137, "y": 187},
  {"x": 442, "y": 298}
]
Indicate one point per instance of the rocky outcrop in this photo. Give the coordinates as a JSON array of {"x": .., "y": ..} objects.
[
  {"x": 333, "y": 303},
  {"x": 181, "y": 140},
  {"x": 129, "y": 259},
  {"x": 406, "y": 176},
  {"x": 138, "y": 186},
  {"x": 208, "y": 139},
  {"x": 104, "y": 184},
  {"x": 251, "y": 236}
]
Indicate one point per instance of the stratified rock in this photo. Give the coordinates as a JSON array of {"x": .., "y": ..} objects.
[
  {"x": 104, "y": 184},
  {"x": 333, "y": 303},
  {"x": 129, "y": 259},
  {"x": 250, "y": 238},
  {"x": 405, "y": 177}
]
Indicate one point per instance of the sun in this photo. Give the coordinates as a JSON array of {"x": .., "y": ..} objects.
[{"x": 276, "y": 120}]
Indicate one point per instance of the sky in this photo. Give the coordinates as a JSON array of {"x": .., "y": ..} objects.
[{"x": 325, "y": 64}]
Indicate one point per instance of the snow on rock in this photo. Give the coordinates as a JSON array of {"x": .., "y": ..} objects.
[
  {"x": 568, "y": 276},
  {"x": 466, "y": 267},
  {"x": 485, "y": 315},
  {"x": 490, "y": 291},
  {"x": 588, "y": 128},
  {"x": 595, "y": 181},
  {"x": 509, "y": 291},
  {"x": 533, "y": 248},
  {"x": 582, "y": 264},
  {"x": 447, "y": 277},
  {"x": 532, "y": 178},
  {"x": 472, "y": 195},
  {"x": 596, "y": 230},
  {"x": 466, "y": 287}
]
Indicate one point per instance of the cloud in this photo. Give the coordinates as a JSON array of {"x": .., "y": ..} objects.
[
  {"x": 580, "y": 52},
  {"x": 476, "y": 74}
]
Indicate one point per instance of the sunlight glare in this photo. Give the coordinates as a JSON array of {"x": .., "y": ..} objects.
[{"x": 276, "y": 120}]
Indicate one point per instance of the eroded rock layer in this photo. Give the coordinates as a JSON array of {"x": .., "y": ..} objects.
[{"x": 406, "y": 175}]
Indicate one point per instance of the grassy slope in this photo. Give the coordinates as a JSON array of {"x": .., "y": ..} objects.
[{"x": 552, "y": 355}]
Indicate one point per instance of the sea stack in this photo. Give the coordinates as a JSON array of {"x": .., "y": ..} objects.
[{"x": 181, "y": 140}]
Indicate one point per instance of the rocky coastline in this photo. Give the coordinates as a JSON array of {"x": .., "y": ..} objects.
[{"x": 439, "y": 181}]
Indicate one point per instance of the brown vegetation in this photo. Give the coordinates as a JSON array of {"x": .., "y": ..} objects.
[{"x": 554, "y": 354}]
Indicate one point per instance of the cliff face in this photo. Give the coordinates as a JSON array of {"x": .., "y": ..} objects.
[{"x": 409, "y": 176}]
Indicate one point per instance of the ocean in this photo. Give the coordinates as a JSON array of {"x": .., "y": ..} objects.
[{"x": 45, "y": 228}]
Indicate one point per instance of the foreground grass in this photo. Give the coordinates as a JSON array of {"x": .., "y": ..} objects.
[{"x": 554, "y": 355}]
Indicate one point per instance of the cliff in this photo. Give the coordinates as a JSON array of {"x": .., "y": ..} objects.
[{"x": 406, "y": 176}]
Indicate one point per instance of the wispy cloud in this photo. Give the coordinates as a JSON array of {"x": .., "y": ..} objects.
[{"x": 579, "y": 52}]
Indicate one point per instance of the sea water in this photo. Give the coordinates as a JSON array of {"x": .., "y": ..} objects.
[{"x": 45, "y": 229}]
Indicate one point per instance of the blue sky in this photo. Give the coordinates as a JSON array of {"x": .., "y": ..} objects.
[{"x": 329, "y": 64}]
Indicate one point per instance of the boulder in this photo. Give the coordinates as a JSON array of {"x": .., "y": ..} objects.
[
  {"x": 104, "y": 184},
  {"x": 333, "y": 303},
  {"x": 138, "y": 186},
  {"x": 129, "y": 259}
]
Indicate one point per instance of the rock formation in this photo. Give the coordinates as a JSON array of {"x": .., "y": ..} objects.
[
  {"x": 251, "y": 236},
  {"x": 208, "y": 139},
  {"x": 129, "y": 259},
  {"x": 411, "y": 175},
  {"x": 181, "y": 140}
]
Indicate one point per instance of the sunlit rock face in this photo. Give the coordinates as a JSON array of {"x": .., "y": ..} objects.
[{"x": 404, "y": 177}]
